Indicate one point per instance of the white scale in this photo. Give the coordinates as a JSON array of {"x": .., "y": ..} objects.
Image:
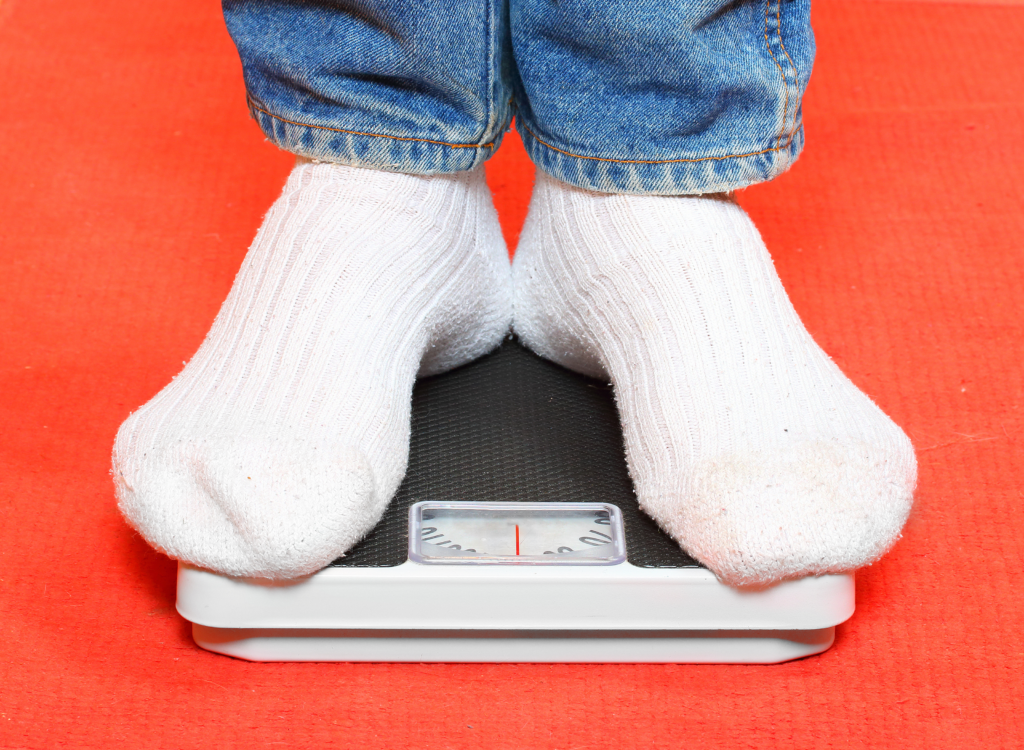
[{"x": 513, "y": 582}]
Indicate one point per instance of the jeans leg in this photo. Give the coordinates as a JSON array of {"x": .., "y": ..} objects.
[
  {"x": 387, "y": 84},
  {"x": 655, "y": 97}
]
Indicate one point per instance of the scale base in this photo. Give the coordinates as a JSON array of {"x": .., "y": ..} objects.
[
  {"x": 497, "y": 646},
  {"x": 512, "y": 427}
]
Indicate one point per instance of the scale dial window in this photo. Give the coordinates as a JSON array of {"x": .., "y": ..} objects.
[{"x": 467, "y": 533}]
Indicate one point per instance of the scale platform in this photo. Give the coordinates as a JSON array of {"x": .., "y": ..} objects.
[{"x": 515, "y": 537}]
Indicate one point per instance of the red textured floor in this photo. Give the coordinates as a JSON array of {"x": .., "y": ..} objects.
[{"x": 132, "y": 183}]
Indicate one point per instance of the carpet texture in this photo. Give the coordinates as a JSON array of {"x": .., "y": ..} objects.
[{"x": 132, "y": 185}]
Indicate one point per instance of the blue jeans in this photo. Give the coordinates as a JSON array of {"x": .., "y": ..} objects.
[{"x": 622, "y": 96}]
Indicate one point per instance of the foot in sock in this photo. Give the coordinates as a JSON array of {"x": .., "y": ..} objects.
[
  {"x": 744, "y": 441},
  {"x": 283, "y": 439}
]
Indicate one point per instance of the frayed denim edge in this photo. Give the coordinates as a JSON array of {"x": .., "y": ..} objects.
[
  {"x": 388, "y": 153},
  {"x": 683, "y": 176}
]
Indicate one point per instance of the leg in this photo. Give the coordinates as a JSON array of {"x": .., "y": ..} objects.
[
  {"x": 282, "y": 441},
  {"x": 744, "y": 441}
]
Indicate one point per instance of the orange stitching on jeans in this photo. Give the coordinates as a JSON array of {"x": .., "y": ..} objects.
[
  {"x": 650, "y": 161},
  {"x": 785, "y": 83},
  {"x": 372, "y": 135},
  {"x": 796, "y": 76}
]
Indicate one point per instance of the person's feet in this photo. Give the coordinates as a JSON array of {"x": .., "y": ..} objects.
[
  {"x": 744, "y": 441},
  {"x": 280, "y": 444}
]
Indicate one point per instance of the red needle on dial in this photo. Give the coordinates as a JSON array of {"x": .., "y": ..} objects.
[{"x": 517, "y": 539}]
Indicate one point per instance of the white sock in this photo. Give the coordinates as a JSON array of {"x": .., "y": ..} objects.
[
  {"x": 280, "y": 444},
  {"x": 744, "y": 441}
]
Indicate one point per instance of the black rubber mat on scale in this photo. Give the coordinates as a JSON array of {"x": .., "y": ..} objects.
[{"x": 514, "y": 427}]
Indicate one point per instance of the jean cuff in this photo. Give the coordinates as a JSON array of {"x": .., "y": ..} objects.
[
  {"x": 683, "y": 176},
  {"x": 389, "y": 153}
]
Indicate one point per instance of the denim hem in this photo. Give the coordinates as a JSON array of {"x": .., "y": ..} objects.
[
  {"x": 389, "y": 153},
  {"x": 681, "y": 176}
]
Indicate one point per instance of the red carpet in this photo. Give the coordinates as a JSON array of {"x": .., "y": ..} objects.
[{"x": 132, "y": 183}]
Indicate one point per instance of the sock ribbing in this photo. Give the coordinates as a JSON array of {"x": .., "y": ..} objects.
[
  {"x": 745, "y": 442},
  {"x": 283, "y": 439}
]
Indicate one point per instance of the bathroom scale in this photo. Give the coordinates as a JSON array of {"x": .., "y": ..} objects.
[{"x": 515, "y": 537}]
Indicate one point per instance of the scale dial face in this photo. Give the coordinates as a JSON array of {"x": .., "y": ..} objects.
[{"x": 466, "y": 533}]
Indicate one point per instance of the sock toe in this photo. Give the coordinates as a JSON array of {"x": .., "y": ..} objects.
[
  {"x": 296, "y": 513},
  {"x": 191, "y": 528},
  {"x": 276, "y": 519},
  {"x": 760, "y": 517}
]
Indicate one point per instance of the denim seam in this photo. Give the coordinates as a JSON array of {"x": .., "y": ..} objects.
[
  {"x": 655, "y": 161},
  {"x": 489, "y": 35},
  {"x": 792, "y": 66},
  {"x": 785, "y": 83},
  {"x": 253, "y": 105}
]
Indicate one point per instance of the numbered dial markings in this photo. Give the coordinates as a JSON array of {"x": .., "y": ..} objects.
[{"x": 516, "y": 533}]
